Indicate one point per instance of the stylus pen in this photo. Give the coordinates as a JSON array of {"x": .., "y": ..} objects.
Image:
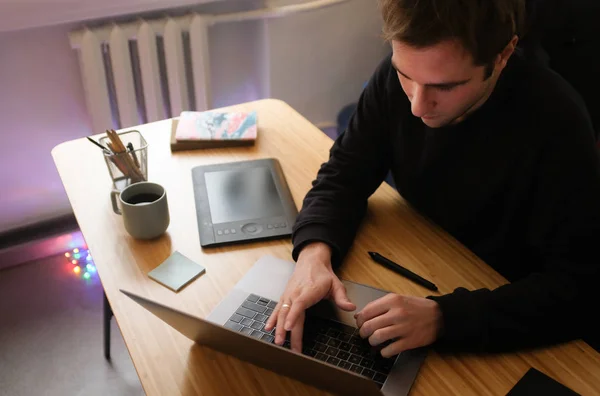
[{"x": 402, "y": 271}]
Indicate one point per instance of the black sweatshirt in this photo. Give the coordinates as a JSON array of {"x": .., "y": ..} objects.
[{"x": 517, "y": 182}]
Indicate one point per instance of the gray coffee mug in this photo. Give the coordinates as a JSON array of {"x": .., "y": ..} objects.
[{"x": 144, "y": 209}]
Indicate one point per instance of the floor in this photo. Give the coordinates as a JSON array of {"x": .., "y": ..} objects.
[{"x": 51, "y": 335}]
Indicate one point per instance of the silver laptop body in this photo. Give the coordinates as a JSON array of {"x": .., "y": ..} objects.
[{"x": 230, "y": 329}]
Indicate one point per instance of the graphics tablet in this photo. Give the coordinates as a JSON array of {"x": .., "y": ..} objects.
[{"x": 242, "y": 201}]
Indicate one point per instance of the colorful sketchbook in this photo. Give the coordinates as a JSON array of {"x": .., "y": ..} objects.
[{"x": 212, "y": 129}]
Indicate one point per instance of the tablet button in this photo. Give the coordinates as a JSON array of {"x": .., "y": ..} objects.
[{"x": 251, "y": 228}]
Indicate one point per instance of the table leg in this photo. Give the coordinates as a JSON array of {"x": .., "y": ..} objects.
[{"x": 108, "y": 314}]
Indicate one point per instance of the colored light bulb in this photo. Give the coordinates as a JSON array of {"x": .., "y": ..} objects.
[
  {"x": 67, "y": 255},
  {"x": 77, "y": 256},
  {"x": 92, "y": 269},
  {"x": 86, "y": 275},
  {"x": 74, "y": 262},
  {"x": 89, "y": 258},
  {"x": 77, "y": 270},
  {"x": 75, "y": 250}
]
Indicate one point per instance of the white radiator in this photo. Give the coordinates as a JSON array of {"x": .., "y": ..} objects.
[{"x": 149, "y": 70}]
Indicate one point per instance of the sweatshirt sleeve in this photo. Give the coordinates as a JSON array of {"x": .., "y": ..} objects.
[
  {"x": 558, "y": 301},
  {"x": 358, "y": 162}
]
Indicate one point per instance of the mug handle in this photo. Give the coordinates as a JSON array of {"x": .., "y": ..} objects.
[{"x": 113, "y": 198}]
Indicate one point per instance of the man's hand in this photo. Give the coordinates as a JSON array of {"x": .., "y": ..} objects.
[
  {"x": 413, "y": 321},
  {"x": 312, "y": 280}
]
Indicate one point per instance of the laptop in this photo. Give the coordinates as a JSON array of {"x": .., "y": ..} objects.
[{"x": 334, "y": 358}]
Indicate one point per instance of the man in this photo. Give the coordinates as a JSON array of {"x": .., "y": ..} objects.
[{"x": 497, "y": 151}]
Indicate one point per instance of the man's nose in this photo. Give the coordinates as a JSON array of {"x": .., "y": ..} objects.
[{"x": 421, "y": 104}]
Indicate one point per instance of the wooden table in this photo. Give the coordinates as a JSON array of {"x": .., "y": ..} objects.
[{"x": 168, "y": 363}]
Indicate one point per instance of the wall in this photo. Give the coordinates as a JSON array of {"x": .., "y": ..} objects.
[
  {"x": 237, "y": 62},
  {"x": 317, "y": 62},
  {"x": 24, "y": 14},
  {"x": 41, "y": 105}
]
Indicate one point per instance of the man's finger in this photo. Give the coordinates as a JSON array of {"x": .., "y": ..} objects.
[
  {"x": 272, "y": 321},
  {"x": 341, "y": 298},
  {"x": 297, "y": 331},
  {"x": 296, "y": 309},
  {"x": 284, "y": 309},
  {"x": 403, "y": 344},
  {"x": 387, "y": 333},
  {"x": 378, "y": 322},
  {"x": 373, "y": 309}
]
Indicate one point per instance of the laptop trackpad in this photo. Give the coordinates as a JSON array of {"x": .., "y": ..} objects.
[{"x": 359, "y": 294}]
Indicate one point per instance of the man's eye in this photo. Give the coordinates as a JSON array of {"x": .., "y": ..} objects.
[{"x": 447, "y": 88}]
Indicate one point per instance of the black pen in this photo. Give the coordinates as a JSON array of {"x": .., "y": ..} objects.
[
  {"x": 402, "y": 271},
  {"x": 130, "y": 147},
  {"x": 107, "y": 151}
]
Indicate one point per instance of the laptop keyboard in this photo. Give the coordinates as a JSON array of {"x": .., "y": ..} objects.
[{"x": 326, "y": 340}]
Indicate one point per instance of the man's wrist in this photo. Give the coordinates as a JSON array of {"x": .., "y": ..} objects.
[
  {"x": 439, "y": 320},
  {"x": 315, "y": 252}
]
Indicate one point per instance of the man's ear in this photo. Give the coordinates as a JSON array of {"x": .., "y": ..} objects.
[{"x": 504, "y": 56}]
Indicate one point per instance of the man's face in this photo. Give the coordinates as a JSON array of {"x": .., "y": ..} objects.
[{"x": 441, "y": 81}]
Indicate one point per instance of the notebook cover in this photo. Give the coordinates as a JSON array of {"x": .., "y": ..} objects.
[
  {"x": 213, "y": 125},
  {"x": 202, "y": 144}
]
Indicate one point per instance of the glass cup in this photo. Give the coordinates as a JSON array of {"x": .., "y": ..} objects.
[{"x": 128, "y": 167}]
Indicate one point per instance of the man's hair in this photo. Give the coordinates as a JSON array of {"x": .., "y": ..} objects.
[{"x": 483, "y": 27}]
